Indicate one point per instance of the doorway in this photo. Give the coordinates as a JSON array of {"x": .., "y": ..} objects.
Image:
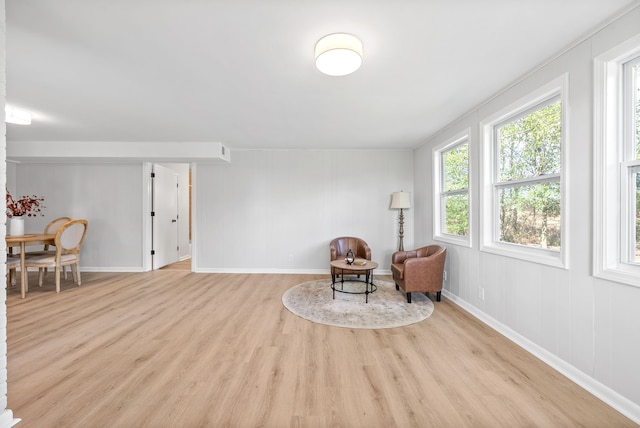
[{"x": 170, "y": 216}]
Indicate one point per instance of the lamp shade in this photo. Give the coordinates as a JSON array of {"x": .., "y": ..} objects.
[
  {"x": 400, "y": 200},
  {"x": 338, "y": 54}
]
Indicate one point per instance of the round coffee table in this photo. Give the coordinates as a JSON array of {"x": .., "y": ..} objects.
[{"x": 366, "y": 269}]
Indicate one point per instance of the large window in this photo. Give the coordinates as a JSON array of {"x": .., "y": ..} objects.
[
  {"x": 451, "y": 178},
  {"x": 617, "y": 164},
  {"x": 528, "y": 156},
  {"x": 522, "y": 178}
]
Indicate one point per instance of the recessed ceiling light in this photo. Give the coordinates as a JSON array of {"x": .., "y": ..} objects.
[{"x": 338, "y": 54}]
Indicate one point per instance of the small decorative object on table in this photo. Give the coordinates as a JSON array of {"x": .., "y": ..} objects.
[
  {"x": 30, "y": 206},
  {"x": 349, "y": 258}
]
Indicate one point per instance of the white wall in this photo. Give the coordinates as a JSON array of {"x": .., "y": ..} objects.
[
  {"x": 6, "y": 415},
  {"x": 266, "y": 207},
  {"x": 109, "y": 196},
  {"x": 587, "y": 327},
  {"x": 251, "y": 215}
]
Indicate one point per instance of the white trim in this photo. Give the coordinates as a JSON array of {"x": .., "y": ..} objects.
[
  {"x": 462, "y": 137},
  {"x": 146, "y": 217},
  {"x": 194, "y": 223},
  {"x": 608, "y": 227},
  {"x": 598, "y": 389},
  {"x": 115, "y": 269},
  {"x": 488, "y": 221},
  {"x": 377, "y": 272}
]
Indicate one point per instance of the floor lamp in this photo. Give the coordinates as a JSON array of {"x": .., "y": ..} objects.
[{"x": 401, "y": 200}]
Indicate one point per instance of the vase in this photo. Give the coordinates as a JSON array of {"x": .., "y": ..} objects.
[{"x": 16, "y": 226}]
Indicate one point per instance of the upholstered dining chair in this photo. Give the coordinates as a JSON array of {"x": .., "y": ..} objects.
[
  {"x": 68, "y": 241},
  {"x": 419, "y": 270},
  {"x": 50, "y": 228},
  {"x": 338, "y": 249}
]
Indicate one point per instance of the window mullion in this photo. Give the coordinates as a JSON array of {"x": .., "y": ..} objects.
[{"x": 547, "y": 178}]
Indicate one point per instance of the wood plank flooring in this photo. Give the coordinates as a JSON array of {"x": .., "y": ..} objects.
[{"x": 180, "y": 349}]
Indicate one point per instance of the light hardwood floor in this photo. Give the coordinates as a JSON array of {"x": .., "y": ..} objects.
[{"x": 178, "y": 349}]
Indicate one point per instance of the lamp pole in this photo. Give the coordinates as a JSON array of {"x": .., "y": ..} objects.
[{"x": 401, "y": 234}]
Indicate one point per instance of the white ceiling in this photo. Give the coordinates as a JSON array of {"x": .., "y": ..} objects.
[{"x": 242, "y": 72}]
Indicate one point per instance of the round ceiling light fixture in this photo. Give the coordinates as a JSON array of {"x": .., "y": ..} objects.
[{"x": 338, "y": 54}]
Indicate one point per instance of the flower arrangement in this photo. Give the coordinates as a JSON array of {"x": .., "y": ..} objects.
[{"x": 31, "y": 206}]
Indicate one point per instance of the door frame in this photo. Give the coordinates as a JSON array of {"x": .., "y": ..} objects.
[{"x": 147, "y": 231}]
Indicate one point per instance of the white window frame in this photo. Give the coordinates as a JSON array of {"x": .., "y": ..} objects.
[
  {"x": 489, "y": 216},
  {"x": 613, "y": 166},
  {"x": 438, "y": 182}
]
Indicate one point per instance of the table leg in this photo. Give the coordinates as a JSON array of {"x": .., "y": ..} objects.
[
  {"x": 23, "y": 271},
  {"x": 333, "y": 286},
  {"x": 366, "y": 286}
]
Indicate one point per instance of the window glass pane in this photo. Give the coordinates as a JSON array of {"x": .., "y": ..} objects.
[
  {"x": 636, "y": 176},
  {"x": 530, "y": 215},
  {"x": 457, "y": 215},
  {"x": 456, "y": 168},
  {"x": 530, "y": 146}
]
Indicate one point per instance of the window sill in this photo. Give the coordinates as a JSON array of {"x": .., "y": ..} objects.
[
  {"x": 540, "y": 256},
  {"x": 624, "y": 275},
  {"x": 463, "y": 241}
]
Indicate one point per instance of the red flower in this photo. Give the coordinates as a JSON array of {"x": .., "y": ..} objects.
[{"x": 31, "y": 206}]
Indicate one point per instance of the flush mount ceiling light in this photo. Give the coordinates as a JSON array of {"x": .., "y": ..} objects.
[
  {"x": 18, "y": 117},
  {"x": 338, "y": 54}
]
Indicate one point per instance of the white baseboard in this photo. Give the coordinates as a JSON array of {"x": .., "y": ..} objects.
[
  {"x": 112, "y": 269},
  {"x": 600, "y": 390},
  {"x": 279, "y": 271}
]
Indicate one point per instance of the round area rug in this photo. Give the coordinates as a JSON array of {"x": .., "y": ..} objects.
[{"x": 387, "y": 307}]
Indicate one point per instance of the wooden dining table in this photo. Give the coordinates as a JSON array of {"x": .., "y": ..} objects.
[{"x": 24, "y": 241}]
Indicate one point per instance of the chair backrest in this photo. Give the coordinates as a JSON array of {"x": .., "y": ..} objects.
[
  {"x": 430, "y": 250},
  {"x": 70, "y": 236},
  {"x": 53, "y": 225},
  {"x": 339, "y": 247}
]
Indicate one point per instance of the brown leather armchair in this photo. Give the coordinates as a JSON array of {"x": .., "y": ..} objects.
[
  {"x": 419, "y": 270},
  {"x": 338, "y": 250}
]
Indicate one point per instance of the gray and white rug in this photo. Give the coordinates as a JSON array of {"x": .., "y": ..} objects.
[{"x": 387, "y": 307}]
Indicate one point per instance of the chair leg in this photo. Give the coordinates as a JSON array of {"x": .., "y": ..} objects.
[
  {"x": 57, "y": 279},
  {"x": 397, "y": 287},
  {"x": 74, "y": 273},
  {"x": 438, "y": 296},
  {"x": 13, "y": 273},
  {"x": 408, "y": 297},
  {"x": 77, "y": 270},
  {"x": 41, "y": 272}
]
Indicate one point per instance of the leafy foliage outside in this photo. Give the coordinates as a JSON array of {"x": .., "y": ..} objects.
[
  {"x": 530, "y": 152},
  {"x": 456, "y": 188}
]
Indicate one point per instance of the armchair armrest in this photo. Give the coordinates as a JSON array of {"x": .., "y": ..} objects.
[
  {"x": 333, "y": 253},
  {"x": 364, "y": 252},
  {"x": 401, "y": 256}
]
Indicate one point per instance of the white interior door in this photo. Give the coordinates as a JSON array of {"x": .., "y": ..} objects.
[{"x": 165, "y": 216}]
